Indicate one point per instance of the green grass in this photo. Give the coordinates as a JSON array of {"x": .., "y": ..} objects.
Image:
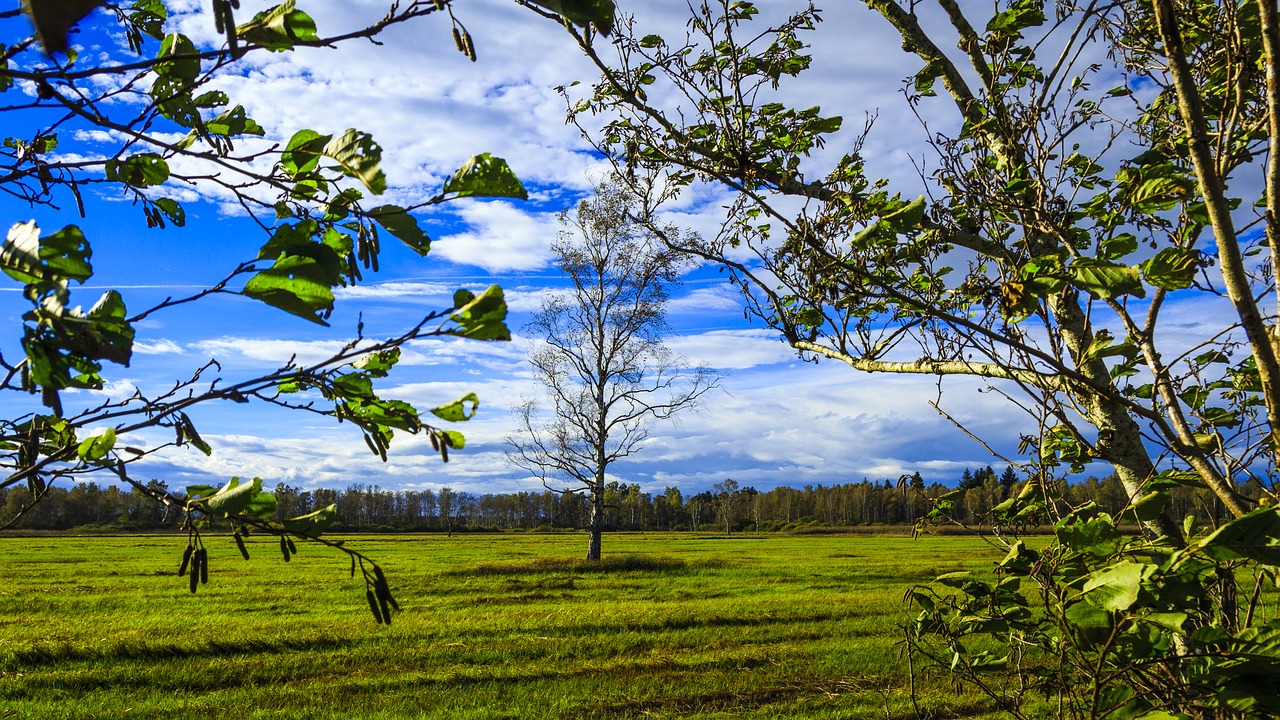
[{"x": 493, "y": 626}]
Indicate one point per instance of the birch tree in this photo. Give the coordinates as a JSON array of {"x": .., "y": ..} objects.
[{"x": 606, "y": 371}]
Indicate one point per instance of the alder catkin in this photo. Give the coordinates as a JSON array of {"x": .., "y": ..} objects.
[
  {"x": 186, "y": 558},
  {"x": 284, "y": 548},
  {"x": 204, "y": 566},
  {"x": 373, "y": 606},
  {"x": 293, "y": 549},
  {"x": 386, "y": 611},
  {"x": 194, "y": 580},
  {"x": 240, "y": 544}
]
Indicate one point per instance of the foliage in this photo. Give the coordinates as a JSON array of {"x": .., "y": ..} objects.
[
  {"x": 1104, "y": 166},
  {"x": 154, "y": 93},
  {"x": 604, "y": 365}
]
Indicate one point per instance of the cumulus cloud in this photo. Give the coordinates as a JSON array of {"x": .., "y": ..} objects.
[{"x": 501, "y": 238}]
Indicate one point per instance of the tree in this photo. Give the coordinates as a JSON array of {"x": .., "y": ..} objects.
[
  {"x": 153, "y": 94},
  {"x": 1108, "y": 162},
  {"x": 727, "y": 501},
  {"x": 604, "y": 366}
]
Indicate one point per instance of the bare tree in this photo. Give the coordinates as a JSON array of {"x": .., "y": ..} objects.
[{"x": 606, "y": 371}]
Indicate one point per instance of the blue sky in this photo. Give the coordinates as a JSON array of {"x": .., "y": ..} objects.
[{"x": 775, "y": 421}]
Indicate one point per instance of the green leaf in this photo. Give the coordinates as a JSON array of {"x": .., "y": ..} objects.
[
  {"x": 182, "y": 69},
  {"x": 460, "y": 410},
  {"x": 597, "y": 13},
  {"x": 1106, "y": 280},
  {"x": 485, "y": 176},
  {"x": 1255, "y": 536},
  {"x": 194, "y": 491},
  {"x": 1172, "y": 268},
  {"x": 312, "y": 524},
  {"x": 360, "y": 157},
  {"x": 303, "y": 152},
  {"x": 295, "y": 284},
  {"x": 453, "y": 439},
  {"x": 403, "y": 226},
  {"x": 1116, "y": 588},
  {"x": 97, "y": 447},
  {"x": 378, "y": 364},
  {"x": 482, "y": 317},
  {"x": 1091, "y": 623},
  {"x": 233, "y": 498},
  {"x": 279, "y": 28},
  {"x": 32, "y": 260},
  {"x": 108, "y": 335},
  {"x": 234, "y": 122},
  {"x": 906, "y": 218},
  {"x": 140, "y": 171}
]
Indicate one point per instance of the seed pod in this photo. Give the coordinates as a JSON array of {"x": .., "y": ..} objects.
[
  {"x": 195, "y": 572},
  {"x": 373, "y": 606},
  {"x": 386, "y": 611},
  {"x": 284, "y": 549},
  {"x": 186, "y": 558},
  {"x": 244, "y": 552},
  {"x": 293, "y": 549},
  {"x": 444, "y": 452},
  {"x": 457, "y": 41},
  {"x": 435, "y": 442},
  {"x": 382, "y": 589},
  {"x": 204, "y": 566}
]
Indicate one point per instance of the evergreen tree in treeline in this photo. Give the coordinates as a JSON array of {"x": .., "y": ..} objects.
[{"x": 728, "y": 507}]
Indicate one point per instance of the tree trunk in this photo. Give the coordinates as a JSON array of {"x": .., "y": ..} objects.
[{"x": 597, "y": 522}]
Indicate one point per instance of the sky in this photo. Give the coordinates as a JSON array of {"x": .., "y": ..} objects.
[{"x": 775, "y": 420}]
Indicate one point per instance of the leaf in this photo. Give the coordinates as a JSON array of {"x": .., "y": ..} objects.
[
  {"x": 312, "y": 524},
  {"x": 108, "y": 335},
  {"x": 234, "y": 122},
  {"x": 378, "y": 364},
  {"x": 482, "y": 317},
  {"x": 141, "y": 171},
  {"x": 360, "y": 157},
  {"x": 97, "y": 447},
  {"x": 233, "y": 498},
  {"x": 303, "y": 152},
  {"x": 1172, "y": 268},
  {"x": 906, "y": 218},
  {"x": 453, "y": 439},
  {"x": 297, "y": 285},
  {"x": 597, "y": 13},
  {"x": 279, "y": 28},
  {"x": 1116, "y": 588},
  {"x": 1255, "y": 536},
  {"x": 32, "y": 260},
  {"x": 194, "y": 491},
  {"x": 460, "y": 410},
  {"x": 1106, "y": 280},
  {"x": 20, "y": 255},
  {"x": 403, "y": 226},
  {"x": 485, "y": 176}
]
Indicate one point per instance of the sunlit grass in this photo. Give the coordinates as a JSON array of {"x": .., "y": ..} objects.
[{"x": 493, "y": 626}]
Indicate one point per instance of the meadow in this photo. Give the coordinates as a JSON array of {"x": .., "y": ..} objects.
[{"x": 492, "y": 626}]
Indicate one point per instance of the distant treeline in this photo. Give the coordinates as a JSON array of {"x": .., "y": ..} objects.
[{"x": 727, "y": 507}]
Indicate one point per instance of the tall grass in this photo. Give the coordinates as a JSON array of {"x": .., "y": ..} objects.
[{"x": 493, "y": 626}]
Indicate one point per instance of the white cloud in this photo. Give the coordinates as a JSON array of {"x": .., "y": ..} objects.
[
  {"x": 732, "y": 349},
  {"x": 158, "y": 347},
  {"x": 503, "y": 238}
]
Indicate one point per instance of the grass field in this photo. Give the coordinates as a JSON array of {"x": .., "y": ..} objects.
[{"x": 493, "y": 626}]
